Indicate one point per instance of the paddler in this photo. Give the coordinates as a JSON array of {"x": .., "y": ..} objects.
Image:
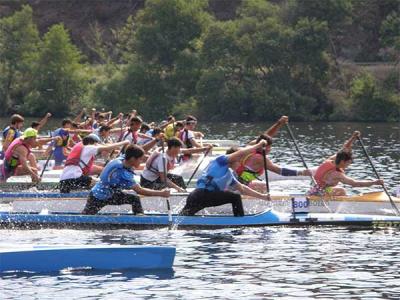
[
  {"x": 251, "y": 166},
  {"x": 61, "y": 149},
  {"x": 18, "y": 158},
  {"x": 117, "y": 176},
  {"x": 332, "y": 172},
  {"x": 173, "y": 130},
  {"x": 153, "y": 173},
  {"x": 12, "y": 132},
  {"x": 214, "y": 187},
  {"x": 132, "y": 134},
  {"x": 188, "y": 136},
  {"x": 39, "y": 125},
  {"x": 80, "y": 163}
]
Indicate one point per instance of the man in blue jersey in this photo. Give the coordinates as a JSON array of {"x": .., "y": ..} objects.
[
  {"x": 118, "y": 175},
  {"x": 12, "y": 132},
  {"x": 218, "y": 185}
]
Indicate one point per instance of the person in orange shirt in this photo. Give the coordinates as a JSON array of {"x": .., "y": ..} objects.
[{"x": 332, "y": 172}]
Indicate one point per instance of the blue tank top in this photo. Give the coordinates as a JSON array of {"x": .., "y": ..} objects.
[
  {"x": 217, "y": 176},
  {"x": 114, "y": 177},
  {"x": 17, "y": 133},
  {"x": 64, "y": 134}
]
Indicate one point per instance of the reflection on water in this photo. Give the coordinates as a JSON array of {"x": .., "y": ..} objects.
[{"x": 253, "y": 263}]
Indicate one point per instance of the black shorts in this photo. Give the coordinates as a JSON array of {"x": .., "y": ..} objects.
[
  {"x": 94, "y": 205},
  {"x": 202, "y": 198},
  {"x": 82, "y": 182}
]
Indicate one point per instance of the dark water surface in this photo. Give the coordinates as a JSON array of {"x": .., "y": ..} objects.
[{"x": 254, "y": 263}]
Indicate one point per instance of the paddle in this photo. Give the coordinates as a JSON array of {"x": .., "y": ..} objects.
[
  {"x": 396, "y": 210},
  {"x": 264, "y": 154},
  {"x": 110, "y": 157},
  {"x": 165, "y": 181},
  {"x": 45, "y": 164},
  {"x": 197, "y": 167},
  {"x": 304, "y": 162}
]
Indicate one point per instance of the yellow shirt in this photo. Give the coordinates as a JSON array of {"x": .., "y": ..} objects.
[{"x": 169, "y": 131}]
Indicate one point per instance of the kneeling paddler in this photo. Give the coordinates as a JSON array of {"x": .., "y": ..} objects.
[
  {"x": 218, "y": 185},
  {"x": 118, "y": 175}
]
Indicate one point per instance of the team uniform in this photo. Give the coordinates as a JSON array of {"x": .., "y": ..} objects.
[
  {"x": 214, "y": 188},
  {"x": 60, "y": 153},
  {"x": 9, "y": 135},
  {"x": 77, "y": 168},
  {"x": 150, "y": 177},
  {"x": 108, "y": 191},
  {"x": 186, "y": 136},
  {"x": 322, "y": 187},
  {"x": 10, "y": 162}
]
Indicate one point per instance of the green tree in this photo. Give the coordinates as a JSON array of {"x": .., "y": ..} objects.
[
  {"x": 371, "y": 103},
  {"x": 59, "y": 82},
  {"x": 390, "y": 32},
  {"x": 257, "y": 67},
  {"x": 162, "y": 54},
  {"x": 19, "y": 41}
]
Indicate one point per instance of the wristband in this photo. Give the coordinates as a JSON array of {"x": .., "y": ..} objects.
[{"x": 288, "y": 172}]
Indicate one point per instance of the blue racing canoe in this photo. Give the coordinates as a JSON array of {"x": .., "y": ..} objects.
[
  {"x": 266, "y": 218},
  {"x": 55, "y": 258}
]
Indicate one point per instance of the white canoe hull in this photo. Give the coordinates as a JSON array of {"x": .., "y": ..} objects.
[{"x": 370, "y": 203}]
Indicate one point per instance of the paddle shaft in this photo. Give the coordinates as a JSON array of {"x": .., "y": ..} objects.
[
  {"x": 304, "y": 162},
  {"x": 197, "y": 167},
  {"x": 299, "y": 152},
  {"x": 264, "y": 153},
  {"x": 47, "y": 162},
  {"x": 165, "y": 182},
  {"x": 378, "y": 176}
]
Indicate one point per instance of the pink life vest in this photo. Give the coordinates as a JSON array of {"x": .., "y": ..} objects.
[
  {"x": 8, "y": 156},
  {"x": 74, "y": 159},
  {"x": 243, "y": 167},
  {"x": 324, "y": 169}
]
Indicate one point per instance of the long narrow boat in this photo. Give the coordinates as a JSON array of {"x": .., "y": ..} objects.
[
  {"x": 55, "y": 258},
  {"x": 368, "y": 203},
  {"x": 267, "y": 218}
]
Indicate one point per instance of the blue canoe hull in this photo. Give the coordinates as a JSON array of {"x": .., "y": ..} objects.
[
  {"x": 49, "y": 259},
  {"x": 267, "y": 218}
]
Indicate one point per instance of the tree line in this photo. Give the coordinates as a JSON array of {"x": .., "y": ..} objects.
[{"x": 174, "y": 57}]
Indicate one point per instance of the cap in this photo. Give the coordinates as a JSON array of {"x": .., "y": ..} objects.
[
  {"x": 94, "y": 137},
  {"x": 29, "y": 133}
]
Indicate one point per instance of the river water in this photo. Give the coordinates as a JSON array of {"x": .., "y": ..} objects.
[{"x": 254, "y": 263}]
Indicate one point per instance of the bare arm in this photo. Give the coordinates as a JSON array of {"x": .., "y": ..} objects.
[
  {"x": 111, "y": 146},
  {"x": 166, "y": 124},
  {"x": 146, "y": 147},
  {"x": 170, "y": 183},
  {"x": 43, "y": 141},
  {"x": 245, "y": 190},
  {"x": 148, "y": 192},
  {"x": 43, "y": 121},
  {"x": 22, "y": 153},
  {"x": 78, "y": 118},
  {"x": 195, "y": 150},
  {"x": 8, "y": 140},
  {"x": 195, "y": 143},
  {"x": 236, "y": 155},
  {"x": 273, "y": 130},
  {"x": 358, "y": 183},
  {"x": 348, "y": 144}
]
